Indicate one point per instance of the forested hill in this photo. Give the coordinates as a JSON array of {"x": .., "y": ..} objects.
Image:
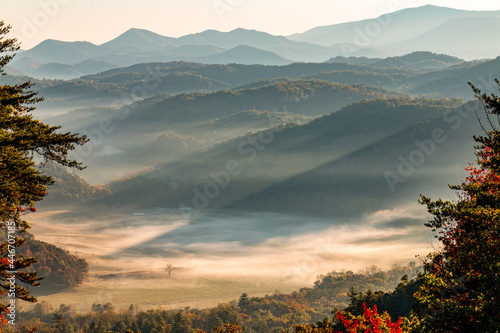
[
  {"x": 321, "y": 166},
  {"x": 435, "y": 75},
  {"x": 307, "y": 97},
  {"x": 182, "y": 113},
  {"x": 187, "y": 131},
  {"x": 417, "y": 60}
]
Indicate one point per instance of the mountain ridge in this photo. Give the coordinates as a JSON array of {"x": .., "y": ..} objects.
[
  {"x": 435, "y": 16},
  {"x": 426, "y": 28}
]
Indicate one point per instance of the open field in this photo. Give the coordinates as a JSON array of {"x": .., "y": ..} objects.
[{"x": 218, "y": 256}]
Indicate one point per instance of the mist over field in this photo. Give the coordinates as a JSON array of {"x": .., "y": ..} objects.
[
  {"x": 267, "y": 250},
  {"x": 222, "y": 164}
]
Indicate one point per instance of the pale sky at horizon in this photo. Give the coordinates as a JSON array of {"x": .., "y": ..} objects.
[{"x": 98, "y": 21}]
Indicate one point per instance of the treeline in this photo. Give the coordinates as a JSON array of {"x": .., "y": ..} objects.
[{"x": 272, "y": 313}]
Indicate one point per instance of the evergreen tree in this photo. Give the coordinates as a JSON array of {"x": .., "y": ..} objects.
[
  {"x": 60, "y": 323},
  {"x": 21, "y": 185},
  {"x": 180, "y": 324},
  {"x": 460, "y": 289},
  {"x": 398, "y": 303},
  {"x": 244, "y": 300}
]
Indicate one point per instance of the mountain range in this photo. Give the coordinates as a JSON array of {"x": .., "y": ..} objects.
[
  {"x": 340, "y": 163},
  {"x": 190, "y": 107},
  {"x": 325, "y": 138},
  {"x": 459, "y": 33},
  {"x": 164, "y": 114},
  {"x": 419, "y": 73},
  {"x": 399, "y": 26}
]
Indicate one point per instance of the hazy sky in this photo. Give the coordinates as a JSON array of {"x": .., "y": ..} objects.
[{"x": 98, "y": 21}]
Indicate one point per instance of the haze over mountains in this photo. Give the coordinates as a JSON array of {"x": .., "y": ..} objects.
[
  {"x": 403, "y": 26},
  {"x": 333, "y": 120},
  {"x": 164, "y": 113},
  {"x": 429, "y": 28},
  {"x": 433, "y": 75}
]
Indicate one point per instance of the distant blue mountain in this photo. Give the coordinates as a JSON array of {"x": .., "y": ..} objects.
[
  {"x": 466, "y": 37},
  {"x": 246, "y": 55},
  {"x": 62, "y": 52},
  {"x": 142, "y": 39},
  {"x": 390, "y": 28},
  {"x": 460, "y": 33}
]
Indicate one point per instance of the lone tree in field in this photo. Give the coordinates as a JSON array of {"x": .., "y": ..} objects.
[
  {"x": 21, "y": 185},
  {"x": 460, "y": 289},
  {"x": 169, "y": 269}
]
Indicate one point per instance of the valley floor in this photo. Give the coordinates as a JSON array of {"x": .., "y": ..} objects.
[{"x": 216, "y": 257}]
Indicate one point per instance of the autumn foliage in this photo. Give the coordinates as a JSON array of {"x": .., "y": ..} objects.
[
  {"x": 370, "y": 322},
  {"x": 460, "y": 289}
]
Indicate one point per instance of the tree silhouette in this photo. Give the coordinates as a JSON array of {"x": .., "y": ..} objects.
[
  {"x": 169, "y": 269},
  {"x": 22, "y": 138},
  {"x": 244, "y": 300}
]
